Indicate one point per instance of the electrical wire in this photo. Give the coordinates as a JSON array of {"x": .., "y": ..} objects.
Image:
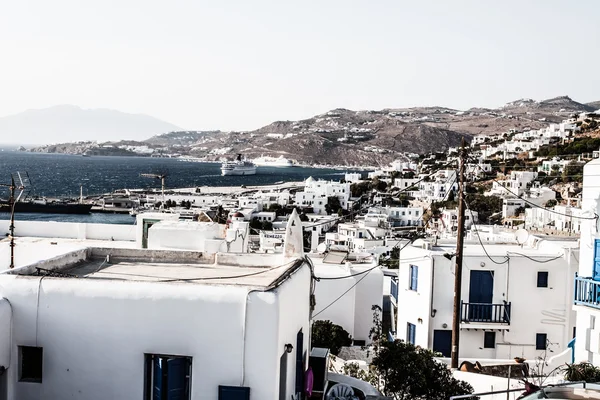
[
  {"x": 533, "y": 259},
  {"x": 318, "y": 278},
  {"x": 342, "y": 295},
  {"x": 481, "y": 242}
]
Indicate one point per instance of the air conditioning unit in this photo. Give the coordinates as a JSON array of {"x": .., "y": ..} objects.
[
  {"x": 427, "y": 246},
  {"x": 319, "y": 362}
]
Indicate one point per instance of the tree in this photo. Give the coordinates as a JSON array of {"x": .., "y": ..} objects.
[
  {"x": 277, "y": 209},
  {"x": 413, "y": 373},
  {"x": 333, "y": 205},
  {"x": 328, "y": 335},
  {"x": 551, "y": 203},
  {"x": 404, "y": 371}
]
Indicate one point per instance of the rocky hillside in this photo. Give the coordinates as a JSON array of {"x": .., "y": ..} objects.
[{"x": 347, "y": 137}]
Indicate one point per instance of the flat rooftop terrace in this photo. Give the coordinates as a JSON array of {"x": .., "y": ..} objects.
[
  {"x": 261, "y": 271},
  {"x": 214, "y": 274}
]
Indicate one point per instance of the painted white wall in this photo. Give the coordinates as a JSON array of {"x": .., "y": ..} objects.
[
  {"x": 184, "y": 235},
  {"x": 94, "y": 328},
  {"x": 327, "y": 291},
  {"x": 587, "y": 346},
  {"x": 414, "y": 306},
  {"x": 53, "y": 229},
  {"x": 533, "y": 310},
  {"x": 368, "y": 293}
]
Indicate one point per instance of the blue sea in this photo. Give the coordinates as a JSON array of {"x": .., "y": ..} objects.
[{"x": 59, "y": 175}]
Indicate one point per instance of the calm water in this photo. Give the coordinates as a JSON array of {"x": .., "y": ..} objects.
[{"x": 58, "y": 175}]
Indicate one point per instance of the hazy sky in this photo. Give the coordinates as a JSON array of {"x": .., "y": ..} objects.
[{"x": 242, "y": 64}]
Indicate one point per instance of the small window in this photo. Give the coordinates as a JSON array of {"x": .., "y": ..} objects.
[
  {"x": 542, "y": 279},
  {"x": 489, "y": 340},
  {"x": 541, "y": 340},
  {"x": 414, "y": 277},
  {"x": 410, "y": 333},
  {"x": 31, "y": 361}
]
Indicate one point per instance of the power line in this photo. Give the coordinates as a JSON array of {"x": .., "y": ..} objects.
[
  {"x": 342, "y": 295},
  {"x": 318, "y": 278},
  {"x": 481, "y": 242},
  {"x": 533, "y": 259}
]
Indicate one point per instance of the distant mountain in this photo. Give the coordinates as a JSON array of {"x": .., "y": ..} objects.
[
  {"x": 594, "y": 104},
  {"x": 553, "y": 110},
  {"x": 347, "y": 137},
  {"x": 67, "y": 123}
]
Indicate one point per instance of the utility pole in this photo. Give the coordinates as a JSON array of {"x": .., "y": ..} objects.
[{"x": 459, "y": 258}]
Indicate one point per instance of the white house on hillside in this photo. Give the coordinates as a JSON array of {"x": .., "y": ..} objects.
[{"x": 510, "y": 307}]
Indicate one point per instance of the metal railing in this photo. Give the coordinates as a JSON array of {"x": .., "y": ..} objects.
[
  {"x": 587, "y": 292},
  {"x": 485, "y": 312}
]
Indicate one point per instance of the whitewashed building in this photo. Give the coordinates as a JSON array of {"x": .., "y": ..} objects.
[
  {"x": 510, "y": 307},
  {"x": 194, "y": 325},
  {"x": 360, "y": 279},
  {"x": 317, "y": 192},
  {"x": 587, "y": 283}
]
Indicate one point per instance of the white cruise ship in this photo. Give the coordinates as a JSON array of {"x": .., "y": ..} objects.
[
  {"x": 267, "y": 161},
  {"x": 238, "y": 167}
]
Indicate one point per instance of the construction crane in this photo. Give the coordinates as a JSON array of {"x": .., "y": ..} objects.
[{"x": 162, "y": 182}]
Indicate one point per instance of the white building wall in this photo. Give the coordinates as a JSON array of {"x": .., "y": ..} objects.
[
  {"x": 90, "y": 329},
  {"x": 70, "y": 230},
  {"x": 533, "y": 310},
  {"x": 341, "y": 312},
  {"x": 369, "y": 293},
  {"x": 587, "y": 346}
]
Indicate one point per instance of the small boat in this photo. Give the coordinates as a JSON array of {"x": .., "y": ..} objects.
[{"x": 238, "y": 167}]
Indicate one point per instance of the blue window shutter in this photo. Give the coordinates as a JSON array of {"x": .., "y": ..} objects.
[
  {"x": 410, "y": 333},
  {"x": 414, "y": 277},
  {"x": 596, "y": 275}
]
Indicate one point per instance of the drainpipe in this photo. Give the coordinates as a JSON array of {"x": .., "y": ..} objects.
[{"x": 243, "y": 380}]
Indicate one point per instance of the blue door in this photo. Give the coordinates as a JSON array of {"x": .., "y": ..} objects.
[
  {"x": 481, "y": 293},
  {"x": 442, "y": 341},
  {"x": 177, "y": 378},
  {"x": 596, "y": 275}
]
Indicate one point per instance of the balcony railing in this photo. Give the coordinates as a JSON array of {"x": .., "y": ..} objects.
[
  {"x": 394, "y": 290},
  {"x": 587, "y": 292},
  {"x": 485, "y": 313}
]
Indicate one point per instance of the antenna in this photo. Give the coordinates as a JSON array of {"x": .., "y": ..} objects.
[{"x": 19, "y": 182}]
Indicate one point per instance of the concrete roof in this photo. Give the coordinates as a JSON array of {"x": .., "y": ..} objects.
[{"x": 213, "y": 274}]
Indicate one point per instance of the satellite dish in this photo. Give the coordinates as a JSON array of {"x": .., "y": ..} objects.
[
  {"x": 321, "y": 248},
  {"x": 341, "y": 391},
  {"x": 522, "y": 235}
]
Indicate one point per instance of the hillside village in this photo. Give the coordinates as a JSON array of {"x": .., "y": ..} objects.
[{"x": 320, "y": 264}]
